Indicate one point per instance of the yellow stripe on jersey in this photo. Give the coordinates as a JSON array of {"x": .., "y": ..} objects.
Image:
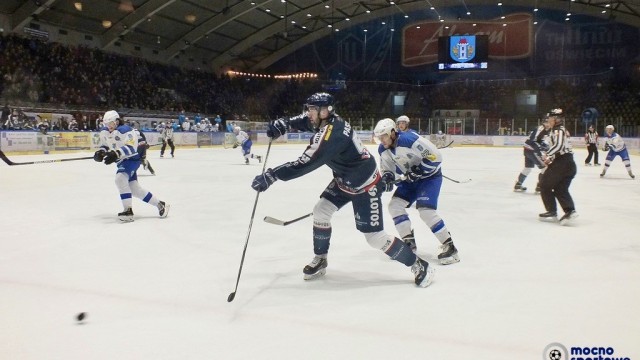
[{"x": 329, "y": 128}]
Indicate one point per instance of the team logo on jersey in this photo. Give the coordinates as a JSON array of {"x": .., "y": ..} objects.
[{"x": 463, "y": 48}]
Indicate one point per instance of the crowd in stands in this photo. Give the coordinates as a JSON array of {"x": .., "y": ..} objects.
[{"x": 79, "y": 77}]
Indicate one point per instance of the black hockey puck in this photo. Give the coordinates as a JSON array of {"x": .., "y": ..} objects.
[{"x": 81, "y": 316}]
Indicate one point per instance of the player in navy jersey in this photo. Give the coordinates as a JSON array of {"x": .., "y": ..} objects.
[
  {"x": 417, "y": 161},
  {"x": 561, "y": 170},
  {"x": 616, "y": 147},
  {"x": 533, "y": 148},
  {"x": 356, "y": 180},
  {"x": 143, "y": 146},
  {"x": 118, "y": 144}
]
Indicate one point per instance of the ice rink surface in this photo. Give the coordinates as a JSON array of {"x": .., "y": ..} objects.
[{"x": 157, "y": 288}]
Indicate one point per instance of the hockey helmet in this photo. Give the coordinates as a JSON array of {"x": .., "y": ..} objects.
[
  {"x": 236, "y": 130},
  {"x": 402, "y": 118},
  {"x": 384, "y": 127},
  {"x": 558, "y": 115},
  {"x": 321, "y": 99},
  {"x": 610, "y": 127},
  {"x": 110, "y": 116}
]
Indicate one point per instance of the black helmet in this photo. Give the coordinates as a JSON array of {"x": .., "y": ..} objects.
[
  {"x": 321, "y": 99},
  {"x": 558, "y": 114}
]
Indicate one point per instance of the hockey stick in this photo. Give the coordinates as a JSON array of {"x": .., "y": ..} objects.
[
  {"x": 456, "y": 181},
  {"x": 446, "y": 146},
  {"x": 275, "y": 221},
  {"x": 11, "y": 163},
  {"x": 253, "y": 213}
]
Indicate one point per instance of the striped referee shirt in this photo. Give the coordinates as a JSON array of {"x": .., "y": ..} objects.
[
  {"x": 591, "y": 137},
  {"x": 559, "y": 144}
]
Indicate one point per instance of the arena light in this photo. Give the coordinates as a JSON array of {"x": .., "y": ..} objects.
[
  {"x": 106, "y": 24},
  {"x": 78, "y": 5}
]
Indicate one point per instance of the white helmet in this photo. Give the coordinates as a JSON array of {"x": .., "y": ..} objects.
[
  {"x": 236, "y": 130},
  {"x": 610, "y": 127},
  {"x": 384, "y": 126},
  {"x": 402, "y": 118},
  {"x": 110, "y": 116}
]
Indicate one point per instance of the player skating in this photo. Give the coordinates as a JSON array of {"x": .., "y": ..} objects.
[
  {"x": 560, "y": 172},
  {"x": 407, "y": 154},
  {"x": 244, "y": 141},
  {"x": 533, "y": 148},
  {"x": 616, "y": 147},
  {"x": 118, "y": 144},
  {"x": 356, "y": 180}
]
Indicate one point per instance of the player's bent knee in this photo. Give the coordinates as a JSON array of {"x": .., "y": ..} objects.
[
  {"x": 379, "y": 239},
  {"x": 323, "y": 211},
  {"x": 397, "y": 207},
  {"x": 429, "y": 216}
]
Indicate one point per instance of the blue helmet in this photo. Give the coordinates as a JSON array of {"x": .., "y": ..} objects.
[{"x": 321, "y": 99}]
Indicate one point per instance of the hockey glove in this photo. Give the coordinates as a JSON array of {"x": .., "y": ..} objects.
[
  {"x": 414, "y": 174},
  {"x": 264, "y": 180},
  {"x": 606, "y": 147},
  {"x": 111, "y": 157},
  {"x": 99, "y": 155},
  {"x": 235, "y": 145},
  {"x": 277, "y": 128},
  {"x": 388, "y": 178}
]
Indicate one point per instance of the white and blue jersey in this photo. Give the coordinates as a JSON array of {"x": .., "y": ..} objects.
[
  {"x": 123, "y": 140},
  {"x": 243, "y": 139},
  {"x": 616, "y": 146},
  {"x": 413, "y": 153}
]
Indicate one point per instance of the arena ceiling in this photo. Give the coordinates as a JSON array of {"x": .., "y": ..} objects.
[{"x": 251, "y": 35}]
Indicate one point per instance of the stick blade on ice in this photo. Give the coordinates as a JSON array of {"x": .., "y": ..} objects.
[{"x": 274, "y": 221}]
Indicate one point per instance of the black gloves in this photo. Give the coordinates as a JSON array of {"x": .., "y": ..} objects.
[
  {"x": 415, "y": 173},
  {"x": 99, "y": 155},
  {"x": 264, "y": 180},
  {"x": 277, "y": 128},
  {"x": 387, "y": 181},
  {"x": 111, "y": 157}
]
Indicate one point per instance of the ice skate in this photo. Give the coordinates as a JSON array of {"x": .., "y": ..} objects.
[
  {"x": 316, "y": 268},
  {"x": 126, "y": 216},
  {"x": 538, "y": 189},
  {"x": 411, "y": 241},
  {"x": 587, "y": 164},
  {"x": 548, "y": 216},
  {"x": 423, "y": 272},
  {"x": 519, "y": 187},
  {"x": 602, "y": 173},
  {"x": 448, "y": 254},
  {"x": 246, "y": 161},
  {"x": 596, "y": 164},
  {"x": 259, "y": 159},
  {"x": 163, "y": 209},
  {"x": 631, "y": 174},
  {"x": 568, "y": 218},
  {"x": 172, "y": 155},
  {"x": 161, "y": 155}
]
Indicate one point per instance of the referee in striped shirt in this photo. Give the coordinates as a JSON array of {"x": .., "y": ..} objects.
[{"x": 560, "y": 172}]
